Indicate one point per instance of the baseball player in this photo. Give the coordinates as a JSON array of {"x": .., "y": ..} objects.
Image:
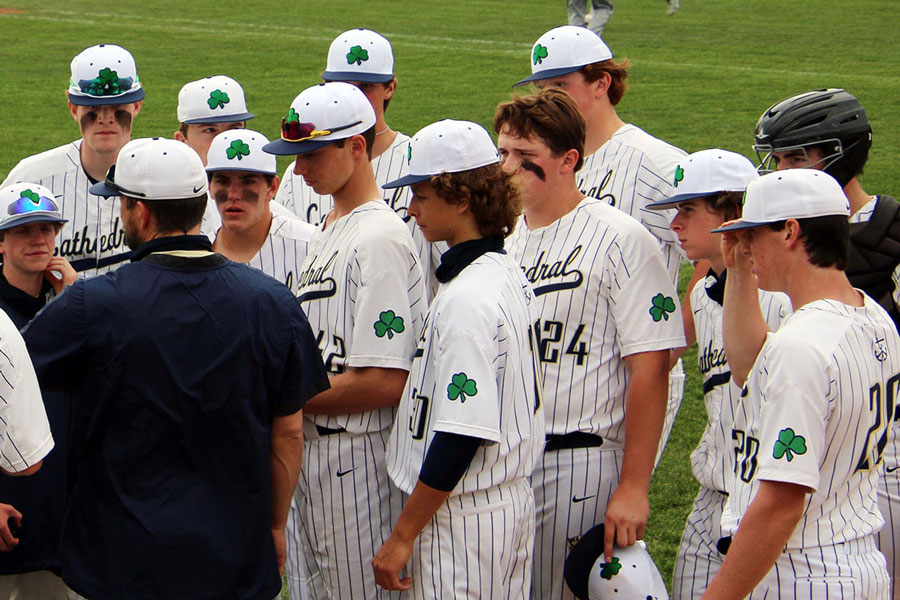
[
  {"x": 622, "y": 164},
  {"x": 811, "y": 424},
  {"x": 829, "y": 130},
  {"x": 361, "y": 287},
  {"x": 470, "y": 426},
  {"x": 609, "y": 316},
  {"x": 243, "y": 180},
  {"x": 105, "y": 96},
  {"x": 365, "y": 59},
  {"x": 709, "y": 192}
]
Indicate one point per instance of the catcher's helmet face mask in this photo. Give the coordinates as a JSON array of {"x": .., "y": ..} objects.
[{"x": 830, "y": 120}]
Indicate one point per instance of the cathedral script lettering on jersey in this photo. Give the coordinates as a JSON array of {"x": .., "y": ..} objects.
[
  {"x": 560, "y": 273},
  {"x": 315, "y": 275}
]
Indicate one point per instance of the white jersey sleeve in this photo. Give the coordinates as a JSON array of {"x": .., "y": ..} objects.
[
  {"x": 93, "y": 240},
  {"x": 603, "y": 293},
  {"x": 475, "y": 375},
  {"x": 631, "y": 170},
  {"x": 24, "y": 430},
  {"x": 361, "y": 288},
  {"x": 815, "y": 414}
]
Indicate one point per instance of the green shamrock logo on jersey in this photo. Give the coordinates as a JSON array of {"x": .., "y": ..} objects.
[
  {"x": 661, "y": 306},
  {"x": 540, "y": 53},
  {"x": 35, "y": 199},
  {"x": 788, "y": 444},
  {"x": 237, "y": 149},
  {"x": 218, "y": 99},
  {"x": 292, "y": 115},
  {"x": 461, "y": 387},
  {"x": 610, "y": 569},
  {"x": 388, "y": 323},
  {"x": 679, "y": 175},
  {"x": 357, "y": 55}
]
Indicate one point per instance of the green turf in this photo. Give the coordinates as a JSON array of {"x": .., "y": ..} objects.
[{"x": 699, "y": 79}]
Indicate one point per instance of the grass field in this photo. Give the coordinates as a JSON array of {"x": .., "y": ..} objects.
[{"x": 699, "y": 79}]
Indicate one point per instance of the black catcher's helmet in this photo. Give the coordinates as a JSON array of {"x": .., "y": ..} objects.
[{"x": 831, "y": 119}]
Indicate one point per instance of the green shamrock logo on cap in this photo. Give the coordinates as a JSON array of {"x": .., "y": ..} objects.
[
  {"x": 218, "y": 99},
  {"x": 292, "y": 115},
  {"x": 539, "y": 54},
  {"x": 357, "y": 55},
  {"x": 108, "y": 78},
  {"x": 461, "y": 387},
  {"x": 679, "y": 175},
  {"x": 788, "y": 444},
  {"x": 237, "y": 149},
  {"x": 661, "y": 306},
  {"x": 408, "y": 154},
  {"x": 388, "y": 323},
  {"x": 744, "y": 198},
  {"x": 610, "y": 569},
  {"x": 33, "y": 196}
]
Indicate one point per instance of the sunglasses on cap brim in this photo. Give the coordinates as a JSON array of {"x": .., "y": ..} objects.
[
  {"x": 28, "y": 204},
  {"x": 110, "y": 181},
  {"x": 295, "y": 131},
  {"x": 110, "y": 86}
]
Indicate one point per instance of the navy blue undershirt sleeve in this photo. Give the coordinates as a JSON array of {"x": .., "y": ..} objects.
[{"x": 448, "y": 457}]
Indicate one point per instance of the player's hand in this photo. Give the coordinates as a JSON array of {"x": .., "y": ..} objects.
[
  {"x": 60, "y": 274},
  {"x": 626, "y": 518},
  {"x": 280, "y": 548},
  {"x": 389, "y": 561},
  {"x": 7, "y": 540},
  {"x": 732, "y": 249}
]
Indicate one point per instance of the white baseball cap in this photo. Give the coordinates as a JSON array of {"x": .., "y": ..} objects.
[
  {"x": 155, "y": 169},
  {"x": 27, "y": 203},
  {"x": 708, "y": 172},
  {"x": 240, "y": 150},
  {"x": 630, "y": 575},
  {"x": 447, "y": 146},
  {"x": 104, "y": 75},
  {"x": 216, "y": 99},
  {"x": 791, "y": 194},
  {"x": 321, "y": 115},
  {"x": 564, "y": 50},
  {"x": 360, "y": 55}
]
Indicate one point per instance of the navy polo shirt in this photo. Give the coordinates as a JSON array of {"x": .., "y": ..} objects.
[{"x": 178, "y": 366}]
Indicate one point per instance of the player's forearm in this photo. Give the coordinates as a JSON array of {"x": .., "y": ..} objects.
[
  {"x": 764, "y": 530},
  {"x": 358, "y": 390},
  {"x": 421, "y": 507},
  {"x": 645, "y": 411},
  {"x": 285, "y": 455},
  {"x": 743, "y": 327}
]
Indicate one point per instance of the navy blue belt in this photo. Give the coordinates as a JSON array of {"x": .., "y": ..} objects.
[{"x": 576, "y": 439}]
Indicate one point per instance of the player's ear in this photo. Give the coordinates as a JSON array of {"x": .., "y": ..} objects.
[
  {"x": 137, "y": 108},
  {"x": 179, "y": 136},
  {"x": 791, "y": 233},
  {"x": 570, "y": 159},
  {"x": 358, "y": 146},
  {"x": 601, "y": 85},
  {"x": 273, "y": 187},
  {"x": 72, "y": 109},
  {"x": 389, "y": 88}
]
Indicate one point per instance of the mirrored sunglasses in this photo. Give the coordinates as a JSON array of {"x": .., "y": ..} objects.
[
  {"x": 295, "y": 131},
  {"x": 29, "y": 202}
]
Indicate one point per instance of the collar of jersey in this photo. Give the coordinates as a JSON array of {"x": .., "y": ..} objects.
[
  {"x": 460, "y": 256},
  {"x": 171, "y": 244}
]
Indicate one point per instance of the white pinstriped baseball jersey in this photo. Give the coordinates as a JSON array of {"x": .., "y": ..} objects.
[
  {"x": 212, "y": 220},
  {"x": 391, "y": 164},
  {"x": 603, "y": 293},
  {"x": 474, "y": 374},
  {"x": 93, "y": 240},
  {"x": 815, "y": 413},
  {"x": 24, "y": 430},
  {"x": 361, "y": 288},
  {"x": 631, "y": 170},
  {"x": 284, "y": 251},
  {"x": 712, "y": 459}
]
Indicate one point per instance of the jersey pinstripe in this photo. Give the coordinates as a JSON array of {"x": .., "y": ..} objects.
[
  {"x": 631, "y": 170},
  {"x": 282, "y": 254},
  {"x": 596, "y": 274},
  {"x": 711, "y": 461},
  {"x": 361, "y": 289},
  {"x": 391, "y": 164},
  {"x": 93, "y": 240},
  {"x": 815, "y": 413},
  {"x": 478, "y": 330}
]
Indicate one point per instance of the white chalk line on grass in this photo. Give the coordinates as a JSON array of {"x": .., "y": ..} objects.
[{"x": 480, "y": 46}]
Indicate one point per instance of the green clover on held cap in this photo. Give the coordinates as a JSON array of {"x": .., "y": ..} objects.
[
  {"x": 388, "y": 323},
  {"x": 660, "y": 307},
  {"x": 461, "y": 387},
  {"x": 610, "y": 569}
]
